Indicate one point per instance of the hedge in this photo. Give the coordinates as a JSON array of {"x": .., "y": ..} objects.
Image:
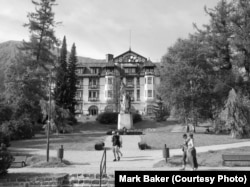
[{"x": 112, "y": 118}]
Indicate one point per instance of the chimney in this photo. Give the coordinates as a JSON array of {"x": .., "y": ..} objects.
[{"x": 109, "y": 57}]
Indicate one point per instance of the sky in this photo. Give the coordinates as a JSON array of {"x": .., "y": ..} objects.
[{"x": 100, "y": 27}]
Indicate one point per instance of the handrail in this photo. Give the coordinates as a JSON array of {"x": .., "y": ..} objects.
[{"x": 103, "y": 165}]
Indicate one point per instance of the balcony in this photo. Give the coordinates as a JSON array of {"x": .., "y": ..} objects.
[
  {"x": 130, "y": 85},
  {"x": 92, "y": 86},
  {"x": 78, "y": 98},
  {"x": 93, "y": 99},
  {"x": 109, "y": 73},
  {"x": 149, "y": 73}
]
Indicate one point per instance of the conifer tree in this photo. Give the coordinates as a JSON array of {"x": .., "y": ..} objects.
[
  {"x": 27, "y": 78},
  {"x": 72, "y": 79},
  {"x": 60, "y": 91}
]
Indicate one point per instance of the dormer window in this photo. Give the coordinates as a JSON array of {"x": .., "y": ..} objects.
[{"x": 95, "y": 71}]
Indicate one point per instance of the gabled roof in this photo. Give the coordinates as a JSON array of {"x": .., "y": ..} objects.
[{"x": 129, "y": 52}]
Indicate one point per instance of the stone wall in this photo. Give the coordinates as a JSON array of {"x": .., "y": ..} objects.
[{"x": 74, "y": 180}]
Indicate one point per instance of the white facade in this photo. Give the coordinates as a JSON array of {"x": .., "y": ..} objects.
[{"x": 99, "y": 84}]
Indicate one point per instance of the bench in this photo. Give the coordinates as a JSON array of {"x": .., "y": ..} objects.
[
  {"x": 20, "y": 159},
  {"x": 235, "y": 158}
]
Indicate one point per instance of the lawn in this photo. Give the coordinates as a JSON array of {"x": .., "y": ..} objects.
[
  {"x": 208, "y": 159},
  {"x": 158, "y": 137},
  {"x": 84, "y": 137}
]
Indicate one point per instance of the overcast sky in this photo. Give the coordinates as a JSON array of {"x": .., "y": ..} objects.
[{"x": 99, "y": 27}]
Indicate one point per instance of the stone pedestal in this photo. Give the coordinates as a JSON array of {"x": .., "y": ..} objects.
[{"x": 125, "y": 120}]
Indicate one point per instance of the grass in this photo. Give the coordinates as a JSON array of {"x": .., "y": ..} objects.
[
  {"x": 163, "y": 135},
  {"x": 38, "y": 161},
  {"x": 208, "y": 159},
  {"x": 84, "y": 137}
]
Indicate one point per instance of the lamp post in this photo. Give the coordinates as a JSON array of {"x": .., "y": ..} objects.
[
  {"x": 192, "y": 104},
  {"x": 49, "y": 119}
]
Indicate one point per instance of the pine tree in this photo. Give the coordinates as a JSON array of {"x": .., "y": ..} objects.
[
  {"x": 241, "y": 28},
  {"x": 218, "y": 35},
  {"x": 72, "y": 79},
  {"x": 42, "y": 40},
  {"x": 26, "y": 79},
  {"x": 60, "y": 91}
]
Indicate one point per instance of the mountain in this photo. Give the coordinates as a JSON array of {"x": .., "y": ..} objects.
[{"x": 8, "y": 54}]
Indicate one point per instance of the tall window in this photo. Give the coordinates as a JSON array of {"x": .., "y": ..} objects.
[
  {"x": 150, "y": 93},
  {"x": 93, "y": 94},
  {"x": 110, "y": 94},
  {"x": 150, "y": 80},
  {"x": 78, "y": 95},
  {"x": 138, "y": 95},
  {"x": 95, "y": 71},
  {"x": 110, "y": 80},
  {"x": 138, "y": 81},
  {"x": 150, "y": 109},
  {"x": 93, "y": 82}
]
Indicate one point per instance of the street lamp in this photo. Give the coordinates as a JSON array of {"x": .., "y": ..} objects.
[{"x": 49, "y": 118}]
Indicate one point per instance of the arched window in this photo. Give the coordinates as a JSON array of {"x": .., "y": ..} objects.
[
  {"x": 150, "y": 110},
  {"x": 93, "y": 110}
]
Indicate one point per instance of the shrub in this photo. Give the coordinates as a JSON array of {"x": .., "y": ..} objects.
[
  {"x": 143, "y": 146},
  {"x": 72, "y": 119},
  {"x": 136, "y": 118},
  {"x": 99, "y": 146},
  {"x": 5, "y": 113},
  {"x": 18, "y": 129},
  {"x": 107, "y": 118},
  {"x": 5, "y": 139},
  {"x": 5, "y": 160}
]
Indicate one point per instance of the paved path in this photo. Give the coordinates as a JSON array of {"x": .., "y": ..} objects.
[{"x": 133, "y": 158}]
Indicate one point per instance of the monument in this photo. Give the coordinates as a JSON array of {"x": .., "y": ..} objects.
[{"x": 125, "y": 118}]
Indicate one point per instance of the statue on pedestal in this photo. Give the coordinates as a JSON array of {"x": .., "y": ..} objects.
[{"x": 125, "y": 100}]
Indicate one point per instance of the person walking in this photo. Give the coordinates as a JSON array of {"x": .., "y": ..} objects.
[
  {"x": 191, "y": 152},
  {"x": 119, "y": 145},
  {"x": 184, "y": 150},
  {"x": 115, "y": 143}
]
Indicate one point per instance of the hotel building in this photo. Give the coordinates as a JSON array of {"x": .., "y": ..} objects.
[{"x": 98, "y": 84}]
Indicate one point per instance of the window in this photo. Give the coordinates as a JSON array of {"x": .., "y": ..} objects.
[
  {"x": 78, "y": 107},
  {"x": 110, "y": 94},
  {"x": 150, "y": 80},
  {"x": 150, "y": 93},
  {"x": 93, "y": 82},
  {"x": 129, "y": 70},
  {"x": 150, "y": 110},
  {"x": 79, "y": 71},
  {"x": 110, "y": 81},
  {"x": 138, "y": 95},
  {"x": 138, "y": 81},
  {"x": 93, "y": 94},
  {"x": 95, "y": 71},
  {"x": 78, "y": 95}
]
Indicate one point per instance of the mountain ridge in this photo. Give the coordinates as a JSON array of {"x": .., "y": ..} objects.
[{"x": 9, "y": 51}]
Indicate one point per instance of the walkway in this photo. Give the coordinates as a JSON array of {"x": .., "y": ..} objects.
[{"x": 133, "y": 158}]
